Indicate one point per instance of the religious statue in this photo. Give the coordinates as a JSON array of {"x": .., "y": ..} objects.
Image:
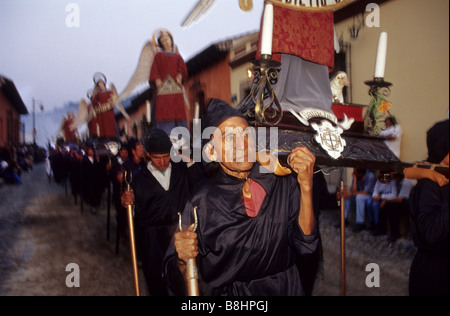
[
  {"x": 69, "y": 134},
  {"x": 161, "y": 65},
  {"x": 99, "y": 114}
]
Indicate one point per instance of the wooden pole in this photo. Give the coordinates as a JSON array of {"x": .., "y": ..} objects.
[
  {"x": 343, "y": 274},
  {"x": 133, "y": 249},
  {"x": 132, "y": 240}
]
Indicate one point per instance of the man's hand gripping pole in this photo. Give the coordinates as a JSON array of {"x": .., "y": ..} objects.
[{"x": 191, "y": 265}]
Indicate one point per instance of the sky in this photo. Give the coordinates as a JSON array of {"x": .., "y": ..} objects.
[{"x": 51, "y": 58}]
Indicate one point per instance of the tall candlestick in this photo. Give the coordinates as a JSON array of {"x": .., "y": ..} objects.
[
  {"x": 267, "y": 30},
  {"x": 381, "y": 56}
]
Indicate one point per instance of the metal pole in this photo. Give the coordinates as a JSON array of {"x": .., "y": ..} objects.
[
  {"x": 343, "y": 274},
  {"x": 191, "y": 264}
]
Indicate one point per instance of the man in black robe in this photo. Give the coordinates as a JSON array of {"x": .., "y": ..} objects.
[
  {"x": 429, "y": 217},
  {"x": 251, "y": 223},
  {"x": 160, "y": 190},
  {"x": 116, "y": 175},
  {"x": 137, "y": 156},
  {"x": 93, "y": 178}
]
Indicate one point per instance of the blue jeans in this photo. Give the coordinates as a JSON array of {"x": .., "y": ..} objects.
[
  {"x": 363, "y": 203},
  {"x": 373, "y": 212},
  {"x": 348, "y": 205}
]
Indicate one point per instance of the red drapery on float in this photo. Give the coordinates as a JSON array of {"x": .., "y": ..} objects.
[{"x": 308, "y": 35}]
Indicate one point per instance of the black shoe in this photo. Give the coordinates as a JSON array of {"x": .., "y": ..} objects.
[{"x": 358, "y": 227}]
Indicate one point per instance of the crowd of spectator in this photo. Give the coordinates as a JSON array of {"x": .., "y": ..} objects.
[{"x": 16, "y": 160}]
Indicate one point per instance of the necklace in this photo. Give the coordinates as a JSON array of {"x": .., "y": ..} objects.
[{"x": 246, "y": 188}]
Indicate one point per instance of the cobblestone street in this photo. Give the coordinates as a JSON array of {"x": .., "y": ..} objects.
[
  {"x": 42, "y": 231},
  {"x": 362, "y": 249}
]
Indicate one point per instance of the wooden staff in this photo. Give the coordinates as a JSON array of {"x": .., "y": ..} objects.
[
  {"x": 191, "y": 265},
  {"x": 343, "y": 275},
  {"x": 132, "y": 241}
]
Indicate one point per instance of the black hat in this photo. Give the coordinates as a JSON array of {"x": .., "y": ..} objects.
[
  {"x": 437, "y": 142},
  {"x": 89, "y": 144},
  {"x": 132, "y": 143},
  {"x": 218, "y": 111},
  {"x": 157, "y": 142}
]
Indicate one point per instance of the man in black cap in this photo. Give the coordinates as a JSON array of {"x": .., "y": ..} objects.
[
  {"x": 251, "y": 224},
  {"x": 429, "y": 217},
  {"x": 160, "y": 191}
]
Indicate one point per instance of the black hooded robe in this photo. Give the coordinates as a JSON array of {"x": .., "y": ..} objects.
[
  {"x": 156, "y": 218},
  {"x": 429, "y": 217},
  {"x": 241, "y": 255}
]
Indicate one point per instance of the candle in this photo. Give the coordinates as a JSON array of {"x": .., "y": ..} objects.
[
  {"x": 381, "y": 56},
  {"x": 197, "y": 111},
  {"x": 267, "y": 30},
  {"x": 148, "y": 111}
]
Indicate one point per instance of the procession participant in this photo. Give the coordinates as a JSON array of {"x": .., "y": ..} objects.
[
  {"x": 74, "y": 164},
  {"x": 92, "y": 178},
  {"x": 137, "y": 156},
  {"x": 251, "y": 223},
  {"x": 429, "y": 218},
  {"x": 160, "y": 191},
  {"x": 168, "y": 71},
  {"x": 116, "y": 174}
]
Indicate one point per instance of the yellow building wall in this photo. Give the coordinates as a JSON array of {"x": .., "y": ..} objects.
[{"x": 417, "y": 64}]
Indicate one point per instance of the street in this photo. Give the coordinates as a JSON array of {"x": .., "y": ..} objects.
[
  {"x": 43, "y": 231},
  {"x": 45, "y": 239}
]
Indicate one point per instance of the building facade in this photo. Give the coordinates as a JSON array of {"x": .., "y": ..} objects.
[
  {"x": 417, "y": 61},
  {"x": 11, "y": 108}
]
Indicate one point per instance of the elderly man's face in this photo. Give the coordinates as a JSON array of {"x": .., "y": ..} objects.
[{"x": 235, "y": 144}]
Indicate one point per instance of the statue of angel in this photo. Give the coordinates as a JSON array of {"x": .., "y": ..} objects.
[
  {"x": 161, "y": 65},
  {"x": 99, "y": 114},
  {"x": 84, "y": 115},
  {"x": 66, "y": 130}
]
